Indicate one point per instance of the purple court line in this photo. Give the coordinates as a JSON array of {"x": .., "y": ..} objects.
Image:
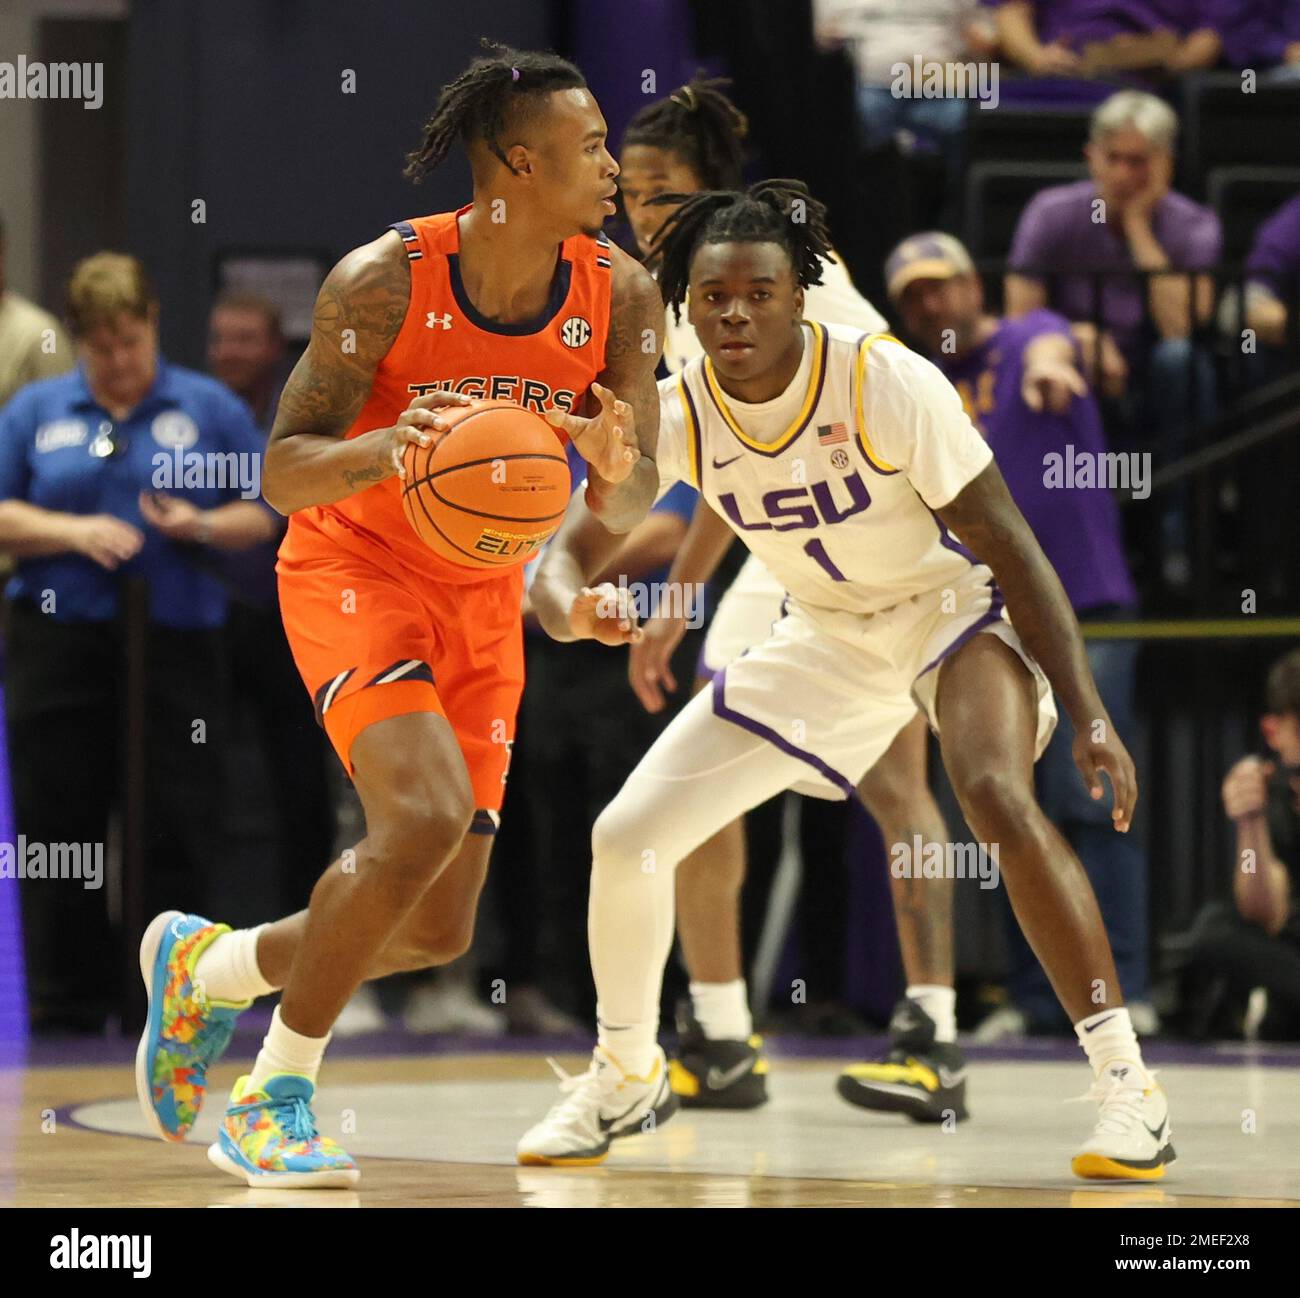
[
  {"x": 69, "y": 1052},
  {"x": 13, "y": 994}
]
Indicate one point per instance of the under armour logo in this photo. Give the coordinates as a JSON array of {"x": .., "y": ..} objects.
[{"x": 435, "y": 321}]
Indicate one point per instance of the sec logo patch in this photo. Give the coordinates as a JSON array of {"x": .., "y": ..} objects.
[{"x": 575, "y": 332}]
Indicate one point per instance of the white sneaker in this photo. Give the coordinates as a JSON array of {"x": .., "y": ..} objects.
[
  {"x": 361, "y": 1014},
  {"x": 1142, "y": 1015},
  {"x": 598, "y": 1106},
  {"x": 451, "y": 1008},
  {"x": 1256, "y": 1012},
  {"x": 1005, "y": 1024},
  {"x": 1131, "y": 1141}
]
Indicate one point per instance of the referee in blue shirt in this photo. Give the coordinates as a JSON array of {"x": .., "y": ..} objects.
[{"x": 126, "y": 468}]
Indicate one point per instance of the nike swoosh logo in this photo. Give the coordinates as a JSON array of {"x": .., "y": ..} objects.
[
  {"x": 1159, "y": 1133},
  {"x": 718, "y": 1079},
  {"x": 1102, "y": 1024},
  {"x": 724, "y": 463},
  {"x": 607, "y": 1123},
  {"x": 947, "y": 1079}
]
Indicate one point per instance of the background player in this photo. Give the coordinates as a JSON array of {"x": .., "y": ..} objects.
[
  {"x": 889, "y": 612},
  {"x": 689, "y": 141},
  {"x": 415, "y": 665}
]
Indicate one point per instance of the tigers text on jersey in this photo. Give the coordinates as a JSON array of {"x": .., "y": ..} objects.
[
  {"x": 840, "y": 505},
  {"x": 444, "y": 342}
]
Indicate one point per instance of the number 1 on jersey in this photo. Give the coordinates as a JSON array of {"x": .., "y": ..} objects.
[{"x": 816, "y": 550}]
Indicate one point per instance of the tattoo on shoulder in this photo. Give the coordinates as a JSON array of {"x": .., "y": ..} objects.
[
  {"x": 359, "y": 312},
  {"x": 636, "y": 325}
]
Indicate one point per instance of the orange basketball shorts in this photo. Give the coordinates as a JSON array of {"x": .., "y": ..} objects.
[{"x": 374, "y": 640}]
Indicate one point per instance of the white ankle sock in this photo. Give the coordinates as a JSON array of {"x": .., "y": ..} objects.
[
  {"x": 633, "y": 1046},
  {"x": 1107, "y": 1037},
  {"x": 722, "y": 1010},
  {"x": 940, "y": 1003},
  {"x": 228, "y": 969},
  {"x": 286, "y": 1051}
]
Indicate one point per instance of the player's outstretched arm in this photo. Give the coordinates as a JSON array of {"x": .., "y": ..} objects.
[
  {"x": 567, "y": 605},
  {"x": 703, "y": 548},
  {"x": 987, "y": 521},
  {"x": 359, "y": 311},
  {"x": 620, "y": 440},
  {"x": 649, "y": 665}
]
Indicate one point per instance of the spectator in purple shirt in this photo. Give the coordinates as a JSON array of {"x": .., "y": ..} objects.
[
  {"x": 1096, "y": 37},
  {"x": 1261, "y": 34},
  {"x": 1124, "y": 218},
  {"x": 1137, "y": 337},
  {"x": 1022, "y": 384},
  {"x": 1273, "y": 274}
]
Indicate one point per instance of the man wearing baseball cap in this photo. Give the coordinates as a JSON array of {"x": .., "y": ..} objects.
[{"x": 1022, "y": 384}]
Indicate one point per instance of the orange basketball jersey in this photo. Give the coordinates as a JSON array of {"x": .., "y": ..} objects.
[{"x": 445, "y": 343}]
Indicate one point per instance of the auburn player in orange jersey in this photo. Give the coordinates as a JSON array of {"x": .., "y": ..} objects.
[{"x": 415, "y": 665}]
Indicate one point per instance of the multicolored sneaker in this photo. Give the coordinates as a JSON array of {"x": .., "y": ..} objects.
[
  {"x": 185, "y": 1033},
  {"x": 269, "y": 1138}
]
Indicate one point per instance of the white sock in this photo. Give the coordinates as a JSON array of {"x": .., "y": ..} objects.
[
  {"x": 722, "y": 1010},
  {"x": 1107, "y": 1037},
  {"x": 228, "y": 968},
  {"x": 286, "y": 1051},
  {"x": 633, "y": 1047},
  {"x": 940, "y": 1003}
]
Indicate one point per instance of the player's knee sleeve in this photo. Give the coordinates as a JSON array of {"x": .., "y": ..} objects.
[{"x": 622, "y": 837}]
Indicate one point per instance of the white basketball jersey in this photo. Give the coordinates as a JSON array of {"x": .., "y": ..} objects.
[{"x": 840, "y": 504}]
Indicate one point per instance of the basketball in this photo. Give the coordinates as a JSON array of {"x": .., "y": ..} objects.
[{"x": 492, "y": 491}]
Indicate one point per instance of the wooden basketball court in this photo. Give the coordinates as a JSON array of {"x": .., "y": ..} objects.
[{"x": 439, "y": 1129}]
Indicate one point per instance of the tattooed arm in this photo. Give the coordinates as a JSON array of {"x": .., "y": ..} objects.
[
  {"x": 619, "y": 442},
  {"x": 986, "y": 520},
  {"x": 359, "y": 311}
]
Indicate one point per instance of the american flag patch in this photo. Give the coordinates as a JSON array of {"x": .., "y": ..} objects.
[{"x": 832, "y": 434}]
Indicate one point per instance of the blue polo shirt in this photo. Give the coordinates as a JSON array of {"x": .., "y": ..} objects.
[{"x": 177, "y": 441}]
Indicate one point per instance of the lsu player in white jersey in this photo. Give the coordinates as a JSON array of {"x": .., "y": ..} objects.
[
  {"x": 914, "y": 583},
  {"x": 693, "y": 139}
]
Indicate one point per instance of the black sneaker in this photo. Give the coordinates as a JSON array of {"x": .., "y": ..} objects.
[
  {"x": 922, "y": 1077},
  {"x": 708, "y": 1074}
]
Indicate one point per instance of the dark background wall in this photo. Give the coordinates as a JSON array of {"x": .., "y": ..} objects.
[{"x": 240, "y": 104}]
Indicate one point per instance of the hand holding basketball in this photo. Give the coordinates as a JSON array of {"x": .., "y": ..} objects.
[
  {"x": 419, "y": 425},
  {"x": 484, "y": 485},
  {"x": 603, "y": 613},
  {"x": 607, "y": 441}
]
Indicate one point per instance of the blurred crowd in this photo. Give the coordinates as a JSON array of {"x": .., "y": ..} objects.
[{"x": 144, "y": 660}]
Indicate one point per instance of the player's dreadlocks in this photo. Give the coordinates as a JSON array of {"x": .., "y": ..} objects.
[
  {"x": 701, "y": 126},
  {"x": 498, "y": 86},
  {"x": 772, "y": 211}
]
